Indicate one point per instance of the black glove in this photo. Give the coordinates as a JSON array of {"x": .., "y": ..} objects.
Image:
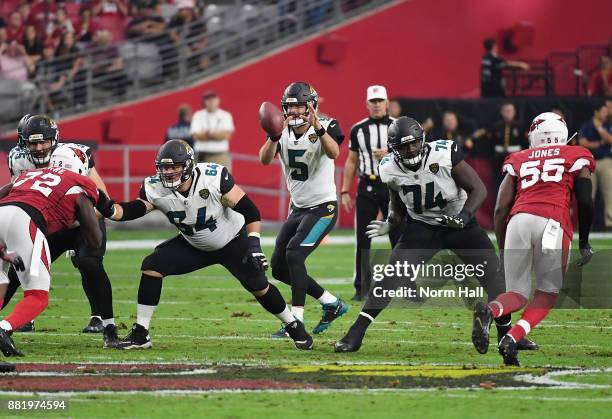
[
  {"x": 586, "y": 251},
  {"x": 255, "y": 254},
  {"x": 105, "y": 205},
  {"x": 455, "y": 221},
  {"x": 12, "y": 258}
]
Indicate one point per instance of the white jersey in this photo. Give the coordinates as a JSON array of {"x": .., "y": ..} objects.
[
  {"x": 200, "y": 216},
  {"x": 309, "y": 173},
  {"x": 430, "y": 191},
  {"x": 19, "y": 160}
]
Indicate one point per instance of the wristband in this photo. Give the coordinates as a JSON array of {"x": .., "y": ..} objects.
[
  {"x": 320, "y": 132},
  {"x": 274, "y": 138}
]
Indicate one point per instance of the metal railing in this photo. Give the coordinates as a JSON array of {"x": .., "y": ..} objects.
[
  {"x": 127, "y": 178},
  {"x": 106, "y": 74}
]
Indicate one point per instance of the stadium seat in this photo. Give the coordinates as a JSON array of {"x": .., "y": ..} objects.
[
  {"x": 7, "y": 6},
  {"x": 115, "y": 24}
]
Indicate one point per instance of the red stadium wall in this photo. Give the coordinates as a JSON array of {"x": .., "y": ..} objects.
[{"x": 418, "y": 48}]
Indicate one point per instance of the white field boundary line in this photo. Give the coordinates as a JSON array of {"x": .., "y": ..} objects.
[
  {"x": 269, "y": 241},
  {"x": 33, "y": 338}
]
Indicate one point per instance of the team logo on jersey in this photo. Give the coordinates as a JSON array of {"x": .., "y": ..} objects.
[
  {"x": 313, "y": 138},
  {"x": 204, "y": 193},
  {"x": 434, "y": 167},
  {"x": 331, "y": 207}
]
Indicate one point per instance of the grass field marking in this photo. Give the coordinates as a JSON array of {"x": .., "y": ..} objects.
[
  {"x": 549, "y": 378},
  {"x": 197, "y": 371},
  {"x": 267, "y": 338}
]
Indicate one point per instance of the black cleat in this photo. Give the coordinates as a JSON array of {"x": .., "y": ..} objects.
[
  {"x": 111, "y": 339},
  {"x": 527, "y": 345},
  {"x": 94, "y": 326},
  {"x": 297, "y": 332},
  {"x": 7, "y": 346},
  {"x": 28, "y": 327},
  {"x": 508, "y": 350},
  {"x": 351, "y": 342},
  {"x": 138, "y": 338},
  {"x": 480, "y": 327},
  {"x": 331, "y": 312},
  {"x": 280, "y": 333}
]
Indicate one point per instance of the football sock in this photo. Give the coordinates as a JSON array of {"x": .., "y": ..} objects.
[
  {"x": 149, "y": 293},
  {"x": 327, "y": 298},
  {"x": 535, "y": 312},
  {"x": 299, "y": 278},
  {"x": 272, "y": 300},
  {"x": 34, "y": 302},
  {"x": 97, "y": 286},
  {"x": 106, "y": 322},
  {"x": 4, "y": 325},
  {"x": 12, "y": 286},
  {"x": 1, "y": 302},
  {"x": 363, "y": 320},
  {"x": 315, "y": 290},
  {"x": 503, "y": 324},
  {"x": 285, "y": 316},
  {"x": 298, "y": 313},
  {"x": 507, "y": 303}
]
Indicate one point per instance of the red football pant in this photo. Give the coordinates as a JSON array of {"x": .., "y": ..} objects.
[{"x": 34, "y": 302}]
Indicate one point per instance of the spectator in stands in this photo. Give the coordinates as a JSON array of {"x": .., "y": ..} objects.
[
  {"x": 83, "y": 29},
  {"x": 450, "y": 131},
  {"x": 491, "y": 66},
  {"x": 69, "y": 68},
  {"x": 41, "y": 13},
  {"x": 109, "y": 8},
  {"x": 60, "y": 25},
  {"x": 14, "y": 27},
  {"x": 148, "y": 25},
  {"x": 3, "y": 36},
  {"x": 601, "y": 82},
  {"x": 32, "y": 43},
  {"x": 107, "y": 65},
  {"x": 507, "y": 136},
  {"x": 181, "y": 130},
  {"x": 185, "y": 25},
  {"x": 596, "y": 135},
  {"x": 15, "y": 63},
  {"x": 395, "y": 108},
  {"x": 24, "y": 9},
  {"x": 211, "y": 129}
]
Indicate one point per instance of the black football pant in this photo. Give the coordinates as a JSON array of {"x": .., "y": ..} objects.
[
  {"x": 88, "y": 261},
  {"x": 299, "y": 236},
  {"x": 372, "y": 196}
]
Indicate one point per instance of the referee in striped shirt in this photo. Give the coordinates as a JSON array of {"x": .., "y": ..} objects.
[{"x": 368, "y": 145}]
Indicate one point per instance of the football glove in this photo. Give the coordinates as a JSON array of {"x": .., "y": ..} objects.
[
  {"x": 12, "y": 258},
  {"x": 377, "y": 228},
  {"x": 586, "y": 251},
  {"x": 255, "y": 254},
  {"x": 454, "y": 221},
  {"x": 105, "y": 205}
]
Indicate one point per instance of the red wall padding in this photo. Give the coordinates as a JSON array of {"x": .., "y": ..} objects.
[{"x": 418, "y": 48}]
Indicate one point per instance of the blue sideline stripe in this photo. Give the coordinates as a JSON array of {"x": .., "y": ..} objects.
[{"x": 317, "y": 230}]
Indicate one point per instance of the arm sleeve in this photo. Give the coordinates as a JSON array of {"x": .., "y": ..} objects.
[
  {"x": 583, "y": 190},
  {"x": 335, "y": 131},
  {"x": 353, "y": 143},
  {"x": 90, "y": 156},
  {"x": 142, "y": 194},
  {"x": 227, "y": 181},
  {"x": 456, "y": 154}
]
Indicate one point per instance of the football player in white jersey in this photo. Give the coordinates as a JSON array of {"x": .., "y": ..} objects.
[
  {"x": 38, "y": 137},
  {"x": 435, "y": 194},
  {"x": 218, "y": 224},
  {"x": 306, "y": 148}
]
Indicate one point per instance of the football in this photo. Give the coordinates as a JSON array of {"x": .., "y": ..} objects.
[{"x": 271, "y": 119}]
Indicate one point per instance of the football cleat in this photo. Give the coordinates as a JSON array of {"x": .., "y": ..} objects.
[
  {"x": 280, "y": 333},
  {"x": 330, "y": 313},
  {"x": 508, "y": 350},
  {"x": 527, "y": 345},
  {"x": 138, "y": 338},
  {"x": 480, "y": 327},
  {"x": 28, "y": 327},
  {"x": 7, "y": 346},
  {"x": 94, "y": 326},
  {"x": 111, "y": 339},
  {"x": 351, "y": 342},
  {"x": 297, "y": 332}
]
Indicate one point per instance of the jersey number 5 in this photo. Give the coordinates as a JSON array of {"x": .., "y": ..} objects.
[
  {"x": 43, "y": 185},
  {"x": 552, "y": 171},
  {"x": 301, "y": 169}
]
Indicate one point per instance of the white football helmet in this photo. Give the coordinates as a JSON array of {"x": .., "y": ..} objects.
[
  {"x": 71, "y": 158},
  {"x": 547, "y": 129}
]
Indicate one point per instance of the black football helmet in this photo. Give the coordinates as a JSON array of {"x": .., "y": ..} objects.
[
  {"x": 22, "y": 122},
  {"x": 35, "y": 129},
  {"x": 172, "y": 153},
  {"x": 299, "y": 93},
  {"x": 406, "y": 140}
]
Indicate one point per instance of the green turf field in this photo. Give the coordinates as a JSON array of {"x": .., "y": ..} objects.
[{"x": 413, "y": 362}]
